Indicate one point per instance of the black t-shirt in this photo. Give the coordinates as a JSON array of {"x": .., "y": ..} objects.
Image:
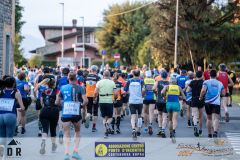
[{"x": 196, "y": 86}]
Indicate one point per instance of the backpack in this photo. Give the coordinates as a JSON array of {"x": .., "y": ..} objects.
[{"x": 49, "y": 97}]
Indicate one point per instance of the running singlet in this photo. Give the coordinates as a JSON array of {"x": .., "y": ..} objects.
[
  {"x": 91, "y": 82},
  {"x": 148, "y": 84},
  {"x": 20, "y": 87},
  {"x": 188, "y": 94},
  {"x": 62, "y": 81},
  {"x": 223, "y": 77},
  {"x": 118, "y": 89},
  {"x": 206, "y": 75},
  {"x": 173, "y": 93},
  {"x": 181, "y": 80},
  {"x": 214, "y": 89},
  {"x": 8, "y": 102},
  {"x": 40, "y": 90},
  {"x": 161, "y": 84},
  {"x": 71, "y": 95},
  {"x": 134, "y": 87}
]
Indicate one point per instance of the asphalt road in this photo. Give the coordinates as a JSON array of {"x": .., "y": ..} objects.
[{"x": 155, "y": 147}]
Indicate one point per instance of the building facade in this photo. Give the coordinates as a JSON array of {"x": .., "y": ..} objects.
[
  {"x": 73, "y": 40},
  {"x": 7, "y": 34}
]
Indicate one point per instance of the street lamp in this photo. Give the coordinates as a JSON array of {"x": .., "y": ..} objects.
[
  {"x": 62, "y": 29},
  {"x": 83, "y": 41},
  {"x": 176, "y": 36}
]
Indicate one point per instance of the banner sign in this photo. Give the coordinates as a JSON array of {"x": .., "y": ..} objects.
[{"x": 119, "y": 149}]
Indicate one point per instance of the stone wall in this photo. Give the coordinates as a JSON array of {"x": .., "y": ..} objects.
[{"x": 7, "y": 22}]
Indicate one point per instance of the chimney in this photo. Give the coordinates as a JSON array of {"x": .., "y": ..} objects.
[{"x": 74, "y": 25}]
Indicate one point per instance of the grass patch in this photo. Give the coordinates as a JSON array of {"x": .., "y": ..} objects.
[{"x": 236, "y": 98}]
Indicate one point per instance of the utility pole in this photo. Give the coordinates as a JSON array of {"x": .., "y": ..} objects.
[
  {"x": 83, "y": 40},
  {"x": 62, "y": 55},
  {"x": 176, "y": 35}
]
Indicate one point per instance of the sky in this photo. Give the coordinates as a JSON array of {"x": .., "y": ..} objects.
[{"x": 49, "y": 12}]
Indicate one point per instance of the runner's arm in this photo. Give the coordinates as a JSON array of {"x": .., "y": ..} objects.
[
  {"x": 58, "y": 100},
  {"x": 203, "y": 92},
  {"x": 155, "y": 87},
  {"x": 85, "y": 100},
  {"x": 19, "y": 100},
  {"x": 231, "y": 84},
  {"x": 182, "y": 94},
  {"x": 164, "y": 90}
]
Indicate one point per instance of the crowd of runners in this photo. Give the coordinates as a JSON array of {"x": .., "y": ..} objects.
[{"x": 67, "y": 97}]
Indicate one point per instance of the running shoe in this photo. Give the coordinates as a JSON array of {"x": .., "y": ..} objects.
[
  {"x": 145, "y": 130},
  {"x": 200, "y": 133},
  {"x": 227, "y": 117},
  {"x": 43, "y": 148},
  {"x": 23, "y": 130},
  {"x": 54, "y": 147},
  {"x": 39, "y": 133},
  {"x": 215, "y": 135},
  {"x": 172, "y": 136},
  {"x": 159, "y": 133},
  {"x": 67, "y": 157},
  {"x": 16, "y": 131},
  {"x": 60, "y": 137},
  {"x": 134, "y": 134},
  {"x": 210, "y": 135},
  {"x": 106, "y": 134},
  {"x": 87, "y": 122},
  {"x": 76, "y": 156},
  {"x": 163, "y": 134},
  {"x": 118, "y": 131},
  {"x": 189, "y": 124},
  {"x": 181, "y": 113},
  {"x": 150, "y": 130},
  {"x": 83, "y": 121},
  {"x": 196, "y": 134},
  {"x": 94, "y": 129},
  {"x": 138, "y": 133}
]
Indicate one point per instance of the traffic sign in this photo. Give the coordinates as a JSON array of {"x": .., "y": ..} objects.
[
  {"x": 104, "y": 52},
  {"x": 116, "y": 56}
]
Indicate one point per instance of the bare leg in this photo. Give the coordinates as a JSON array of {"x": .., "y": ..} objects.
[{"x": 77, "y": 127}]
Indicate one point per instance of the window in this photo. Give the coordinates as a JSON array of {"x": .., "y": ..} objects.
[
  {"x": 7, "y": 54},
  {"x": 86, "y": 38}
]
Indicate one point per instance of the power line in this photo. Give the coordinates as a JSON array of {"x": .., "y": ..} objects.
[{"x": 132, "y": 10}]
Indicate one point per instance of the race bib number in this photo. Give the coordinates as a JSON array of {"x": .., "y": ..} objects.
[
  {"x": 71, "y": 108},
  {"x": 6, "y": 104}
]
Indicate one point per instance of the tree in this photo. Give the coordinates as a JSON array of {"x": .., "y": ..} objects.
[
  {"x": 19, "y": 59},
  {"x": 124, "y": 33},
  {"x": 35, "y": 60},
  {"x": 204, "y": 29}
]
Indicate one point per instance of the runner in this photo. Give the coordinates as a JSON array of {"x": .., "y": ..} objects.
[
  {"x": 72, "y": 95},
  {"x": 189, "y": 98},
  {"x": 49, "y": 115},
  {"x": 223, "y": 77},
  {"x": 181, "y": 80},
  {"x": 124, "y": 97},
  {"x": 8, "y": 111},
  {"x": 39, "y": 86},
  {"x": 105, "y": 89},
  {"x": 24, "y": 89},
  {"x": 175, "y": 73},
  {"x": 233, "y": 76},
  {"x": 173, "y": 92},
  {"x": 149, "y": 102},
  {"x": 161, "y": 104},
  {"x": 207, "y": 72},
  {"x": 134, "y": 88},
  {"x": 117, "y": 103},
  {"x": 197, "y": 106},
  {"x": 212, "y": 90},
  {"x": 92, "y": 107}
]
